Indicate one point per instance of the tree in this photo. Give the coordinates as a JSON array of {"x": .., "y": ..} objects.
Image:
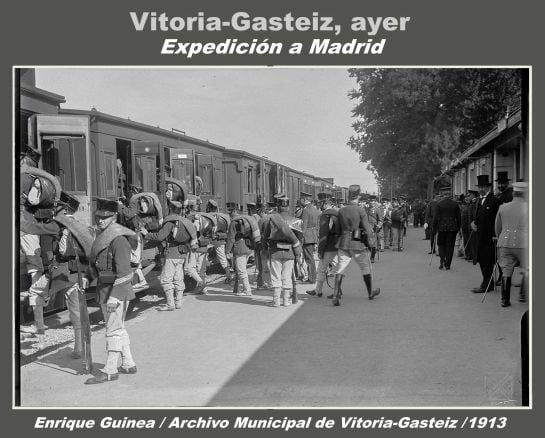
[{"x": 411, "y": 122}]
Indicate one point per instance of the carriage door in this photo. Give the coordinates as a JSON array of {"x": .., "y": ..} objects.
[
  {"x": 64, "y": 142},
  {"x": 183, "y": 168},
  {"x": 148, "y": 158}
]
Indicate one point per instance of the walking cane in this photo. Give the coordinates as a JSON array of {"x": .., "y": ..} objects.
[
  {"x": 493, "y": 276},
  {"x": 432, "y": 249}
]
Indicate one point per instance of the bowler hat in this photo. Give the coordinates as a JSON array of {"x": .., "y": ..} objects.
[
  {"x": 106, "y": 207},
  {"x": 482, "y": 180}
]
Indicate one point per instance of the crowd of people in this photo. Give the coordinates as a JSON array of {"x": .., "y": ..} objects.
[
  {"x": 489, "y": 229},
  {"x": 56, "y": 247}
]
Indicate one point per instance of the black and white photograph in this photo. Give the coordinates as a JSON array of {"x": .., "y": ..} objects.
[{"x": 272, "y": 237}]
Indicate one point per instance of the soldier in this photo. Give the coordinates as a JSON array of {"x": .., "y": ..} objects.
[
  {"x": 310, "y": 217},
  {"x": 483, "y": 226},
  {"x": 243, "y": 231},
  {"x": 284, "y": 247},
  {"x": 195, "y": 267},
  {"x": 375, "y": 218},
  {"x": 327, "y": 239},
  {"x": 38, "y": 192},
  {"x": 352, "y": 225},
  {"x": 447, "y": 223},
  {"x": 264, "y": 274},
  {"x": 219, "y": 236},
  {"x": 74, "y": 246},
  {"x": 511, "y": 226},
  {"x": 387, "y": 224},
  {"x": 110, "y": 264},
  {"x": 180, "y": 237},
  {"x": 398, "y": 218}
]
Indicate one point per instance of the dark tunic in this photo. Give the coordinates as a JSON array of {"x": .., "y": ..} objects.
[{"x": 351, "y": 218}]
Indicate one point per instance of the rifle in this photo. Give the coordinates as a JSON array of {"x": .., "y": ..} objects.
[{"x": 84, "y": 317}]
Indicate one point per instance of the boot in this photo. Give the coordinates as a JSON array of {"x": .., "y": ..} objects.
[
  {"x": 228, "y": 276},
  {"x": 77, "y": 353},
  {"x": 337, "y": 290},
  {"x": 369, "y": 284},
  {"x": 373, "y": 253},
  {"x": 235, "y": 286},
  {"x": 178, "y": 300},
  {"x": 522, "y": 293},
  {"x": 170, "y": 299},
  {"x": 276, "y": 296},
  {"x": 505, "y": 291},
  {"x": 286, "y": 295},
  {"x": 39, "y": 319}
]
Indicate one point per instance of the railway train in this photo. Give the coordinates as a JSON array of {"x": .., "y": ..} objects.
[{"x": 94, "y": 154}]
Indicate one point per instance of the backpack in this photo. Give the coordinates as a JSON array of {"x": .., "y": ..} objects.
[{"x": 397, "y": 215}]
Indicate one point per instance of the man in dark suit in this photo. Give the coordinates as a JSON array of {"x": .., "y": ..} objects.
[
  {"x": 311, "y": 221},
  {"x": 447, "y": 223},
  {"x": 483, "y": 225},
  {"x": 505, "y": 193}
]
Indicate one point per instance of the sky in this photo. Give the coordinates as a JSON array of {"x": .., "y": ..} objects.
[{"x": 299, "y": 117}]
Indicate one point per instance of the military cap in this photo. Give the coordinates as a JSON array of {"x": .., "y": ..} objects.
[
  {"x": 251, "y": 204},
  {"x": 283, "y": 202},
  {"x": 69, "y": 202},
  {"x": 482, "y": 181},
  {"x": 322, "y": 196},
  {"x": 31, "y": 153},
  {"x": 106, "y": 207},
  {"x": 354, "y": 191},
  {"x": 305, "y": 195},
  {"x": 212, "y": 203},
  {"x": 520, "y": 186}
]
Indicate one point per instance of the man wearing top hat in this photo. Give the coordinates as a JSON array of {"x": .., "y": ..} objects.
[
  {"x": 512, "y": 228},
  {"x": 351, "y": 227},
  {"x": 505, "y": 193},
  {"x": 310, "y": 216},
  {"x": 110, "y": 264},
  {"x": 483, "y": 226}
]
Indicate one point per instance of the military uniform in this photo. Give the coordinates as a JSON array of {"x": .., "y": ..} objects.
[
  {"x": 327, "y": 250},
  {"x": 219, "y": 236},
  {"x": 351, "y": 227},
  {"x": 375, "y": 218},
  {"x": 237, "y": 243},
  {"x": 512, "y": 228},
  {"x": 284, "y": 247},
  {"x": 310, "y": 217},
  {"x": 179, "y": 236},
  {"x": 110, "y": 264}
]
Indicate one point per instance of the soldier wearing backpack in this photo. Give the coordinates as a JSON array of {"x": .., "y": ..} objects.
[
  {"x": 110, "y": 263},
  {"x": 180, "y": 237},
  {"x": 219, "y": 236},
  {"x": 284, "y": 247},
  {"x": 242, "y": 236}
]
